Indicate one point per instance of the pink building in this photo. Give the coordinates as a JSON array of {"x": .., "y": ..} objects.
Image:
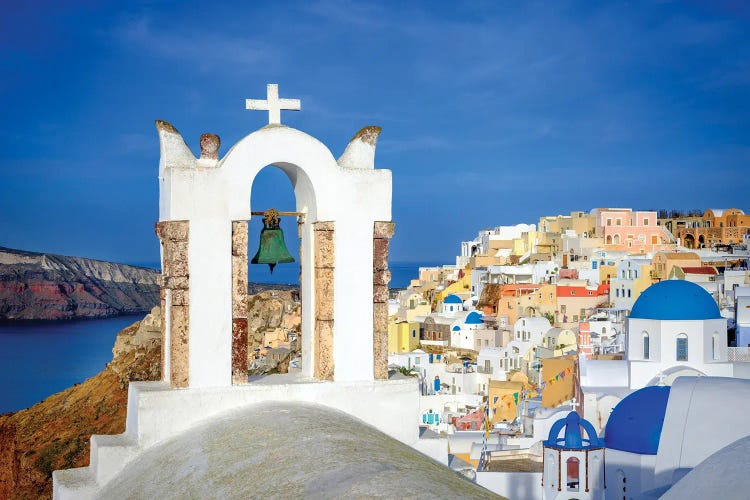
[
  {"x": 624, "y": 229},
  {"x": 471, "y": 422}
]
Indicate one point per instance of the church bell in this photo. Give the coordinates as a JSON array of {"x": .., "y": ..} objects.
[{"x": 272, "y": 248}]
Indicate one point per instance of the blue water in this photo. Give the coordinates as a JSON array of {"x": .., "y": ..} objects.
[
  {"x": 288, "y": 274},
  {"x": 38, "y": 359}
]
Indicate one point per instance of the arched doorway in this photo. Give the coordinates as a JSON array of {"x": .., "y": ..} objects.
[{"x": 689, "y": 240}]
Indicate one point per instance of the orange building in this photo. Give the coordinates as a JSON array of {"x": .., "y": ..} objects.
[
  {"x": 511, "y": 301},
  {"x": 575, "y": 302},
  {"x": 664, "y": 262},
  {"x": 715, "y": 227}
]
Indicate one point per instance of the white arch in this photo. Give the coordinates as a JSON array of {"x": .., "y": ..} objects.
[{"x": 210, "y": 194}]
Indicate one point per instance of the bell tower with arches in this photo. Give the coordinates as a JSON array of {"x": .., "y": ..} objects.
[
  {"x": 204, "y": 206},
  {"x": 573, "y": 465},
  {"x": 345, "y": 226}
]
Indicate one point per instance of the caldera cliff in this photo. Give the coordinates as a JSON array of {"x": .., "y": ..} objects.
[
  {"x": 54, "y": 434},
  {"x": 47, "y": 286}
]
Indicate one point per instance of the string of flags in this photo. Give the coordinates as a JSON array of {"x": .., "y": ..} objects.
[{"x": 514, "y": 396}]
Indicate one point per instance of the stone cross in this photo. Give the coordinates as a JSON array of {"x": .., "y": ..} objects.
[{"x": 273, "y": 104}]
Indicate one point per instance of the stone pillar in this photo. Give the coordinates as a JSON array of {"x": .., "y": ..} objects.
[
  {"x": 239, "y": 302},
  {"x": 324, "y": 233},
  {"x": 175, "y": 279},
  {"x": 381, "y": 276}
]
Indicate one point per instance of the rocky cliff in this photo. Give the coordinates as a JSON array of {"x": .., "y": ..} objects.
[
  {"x": 47, "y": 286},
  {"x": 54, "y": 434}
]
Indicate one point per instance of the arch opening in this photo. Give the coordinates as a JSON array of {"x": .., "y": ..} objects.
[{"x": 274, "y": 317}]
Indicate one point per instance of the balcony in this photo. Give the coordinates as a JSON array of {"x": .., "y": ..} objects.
[
  {"x": 739, "y": 354},
  {"x": 485, "y": 370}
]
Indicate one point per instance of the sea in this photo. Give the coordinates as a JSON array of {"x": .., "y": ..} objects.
[{"x": 40, "y": 358}]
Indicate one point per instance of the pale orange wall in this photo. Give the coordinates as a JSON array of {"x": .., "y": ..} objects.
[
  {"x": 564, "y": 388},
  {"x": 502, "y": 412},
  {"x": 663, "y": 265}
]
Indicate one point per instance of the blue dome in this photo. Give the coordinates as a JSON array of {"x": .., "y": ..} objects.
[
  {"x": 675, "y": 299},
  {"x": 452, "y": 299},
  {"x": 635, "y": 423},
  {"x": 456, "y": 328},
  {"x": 473, "y": 318},
  {"x": 573, "y": 439}
]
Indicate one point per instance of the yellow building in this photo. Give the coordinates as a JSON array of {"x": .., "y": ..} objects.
[
  {"x": 460, "y": 287},
  {"x": 403, "y": 336},
  {"x": 411, "y": 305},
  {"x": 559, "y": 377},
  {"x": 644, "y": 280},
  {"x": 503, "y": 400},
  {"x": 606, "y": 273}
]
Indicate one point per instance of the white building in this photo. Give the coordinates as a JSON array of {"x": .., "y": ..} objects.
[
  {"x": 463, "y": 334},
  {"x": 658, "y": 435},
  {"x": 531, "y": 330},
  {"x": 675, "y": 328},
  {"x": 622, "y": 287},
  {"x": 573, "y": 464}
]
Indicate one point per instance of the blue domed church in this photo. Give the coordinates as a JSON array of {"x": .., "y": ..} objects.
[{"x": 675, "y": 329}]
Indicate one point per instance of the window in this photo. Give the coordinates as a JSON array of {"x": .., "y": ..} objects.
[
  {"x": 609, "y": 222},
  {"x": 417, "y": 361},
  {"x": 646, "y": 352},
  {"x": 618, "y": 222},
  {"x": 645, "y": 222},
  {"x": 628, "y": 293},
  {"x": 715, "y": 346},
  {"x": 617, "y": 292},
  {"x": 681, "y": 347},
  {"x": 413, "y": 334},
  {"x": 572, "y": 469},
  {"x": 562, "y": 308}
]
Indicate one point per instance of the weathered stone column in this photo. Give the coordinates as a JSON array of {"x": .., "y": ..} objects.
[
  {"x": 324, "y": 266},
  {"x": 381, "y": 276},
  {"x": 239, "y": 302},
  {"x": 175, "y": 318}
]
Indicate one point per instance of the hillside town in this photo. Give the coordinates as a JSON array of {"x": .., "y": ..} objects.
[{"x": 590, "y": 316}]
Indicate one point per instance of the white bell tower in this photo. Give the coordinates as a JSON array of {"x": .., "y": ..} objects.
[{"x": 573, "y": 465}]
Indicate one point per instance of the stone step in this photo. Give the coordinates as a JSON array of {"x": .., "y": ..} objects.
[
  {"x": 74, "y": 484},
  {"x": 109, "y": 454}
]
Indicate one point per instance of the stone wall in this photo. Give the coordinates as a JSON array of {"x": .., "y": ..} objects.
[
  {"x": 175, "y": 287},
  {"x": 239, "y": 302},
  {"x": 324, "y": 233},
  {"x": 382, "y": 233}
]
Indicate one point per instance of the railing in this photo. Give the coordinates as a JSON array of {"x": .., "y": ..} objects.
[
  {"x": 739, "y": 354},
  {"x": 482, "y": 369}
]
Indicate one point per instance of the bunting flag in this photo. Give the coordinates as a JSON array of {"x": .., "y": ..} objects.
[
  {"x": 495, "y": 401},
  {"x": 515, "y": 397}
]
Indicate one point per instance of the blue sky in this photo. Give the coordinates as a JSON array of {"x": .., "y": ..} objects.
[{"x": 492, "y": 112}]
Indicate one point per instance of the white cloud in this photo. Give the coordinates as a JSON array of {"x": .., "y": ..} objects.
[{"x": 204, "y": 50}]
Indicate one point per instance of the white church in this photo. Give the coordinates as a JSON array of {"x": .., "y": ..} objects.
[
  {"x": 208, "y": 431},
  {"x": 675, "y": 424},
  {"x": 669, "y": 420}
]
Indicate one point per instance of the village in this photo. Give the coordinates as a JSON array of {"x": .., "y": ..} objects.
[
  {"x": 579, "y": 313},
  {"x": 627, "y": 327}
]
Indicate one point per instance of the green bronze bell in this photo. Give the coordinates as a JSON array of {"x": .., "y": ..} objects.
[{"x": 272, "y": 248}]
